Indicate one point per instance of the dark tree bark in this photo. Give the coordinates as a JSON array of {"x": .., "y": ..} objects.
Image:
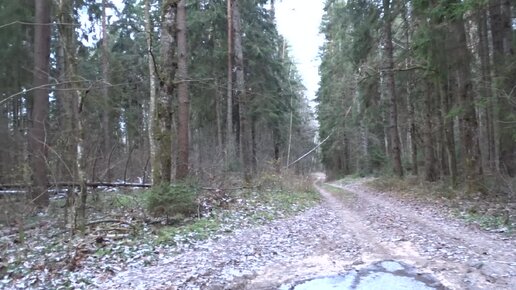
[
  {"x": 413, "y": 139},
  {"x": 218, "y": 112},
  {"x": 241, "y": 95},
  {"x": 488, "y": 144},
  {"x": 390, "y": 90},
  {"x": 4, "y": 144},
  {"x": 38, "y": 130},
  {"x": 428, "y": 136},
  {"x": 504, "y": 77},
  {"x": 469, "y": 125},
  {"x": 449, "y": 131},
  {"x": 229, "y": 152},
  {"x": 182, "y": 94},
  {"x": 163, "y": 131},
  {"x": 276, "y": 148}
]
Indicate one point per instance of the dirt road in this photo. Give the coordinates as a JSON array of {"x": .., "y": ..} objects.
[{"x": 353, "y": 227}]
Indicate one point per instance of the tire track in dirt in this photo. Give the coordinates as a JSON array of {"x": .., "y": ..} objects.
[
  {"x": 372, "y": 247},
  {"x": 460, "y": 257}
]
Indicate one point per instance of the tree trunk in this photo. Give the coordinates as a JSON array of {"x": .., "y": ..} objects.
[
  {"x": 412, "y": 132},
  {"x": 390, "y": 90},
  {"x": 230, "y": 136},
  {"x": 218, "y": 112},
  {"x": 152, "y": 87},
  {"x": 254, "y": 160},
  {"x": 276, "y": 148},
  {"x": 430, "y": 162},
  {"x": 449, "y": 132},
  {"x": 5, "y": 160},
  {"x": 487, "y": 144},
  {"x": 73, "y": 104},
  {"x": 163, "y": 130},
  {"x": 182, "y": 93},
  {"x": 241, "y": 95},
  {"x": 106, "y": 122},
  {"x": 38, "y": 131},
  {"x": 465, "y": 91},
  {"x": 504, "y": 76}
]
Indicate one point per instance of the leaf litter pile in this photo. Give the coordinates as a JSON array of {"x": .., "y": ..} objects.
[{"x": 121, "y": 235}]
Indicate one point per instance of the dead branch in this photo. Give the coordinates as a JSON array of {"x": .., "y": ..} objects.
[{"x": 110, "y": 221}]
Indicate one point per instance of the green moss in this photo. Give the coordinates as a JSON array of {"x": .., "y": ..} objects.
[
  {"x": 200, "y": 229},
  {"x": 254, "y": 208},
  {"x": 175, "y": 201},
  {"x": 487, "y": 221}
]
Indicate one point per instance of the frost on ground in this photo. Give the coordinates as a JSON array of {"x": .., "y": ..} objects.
[
  {"x": 46, "y": 256},
  {"x": 354, "y": 226}
]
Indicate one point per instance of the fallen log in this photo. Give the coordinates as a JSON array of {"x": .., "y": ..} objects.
[{"x": 75, "y": 184}]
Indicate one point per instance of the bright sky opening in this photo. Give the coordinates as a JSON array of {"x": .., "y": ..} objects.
[{"x": 299, "y": 22}]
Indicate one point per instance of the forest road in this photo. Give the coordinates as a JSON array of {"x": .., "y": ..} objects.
[
  {"x": 353, "y": 227},
  {"x": 382, "y": 227}
]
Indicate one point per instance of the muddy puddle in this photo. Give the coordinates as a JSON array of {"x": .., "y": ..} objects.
[{"x": 384, "y": 275}]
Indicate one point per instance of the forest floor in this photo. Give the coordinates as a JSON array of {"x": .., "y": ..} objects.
[
  {"x": 272, "y": 237},
  {"x": 353, "y": 227}
]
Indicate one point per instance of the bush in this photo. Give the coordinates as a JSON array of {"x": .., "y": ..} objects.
[{"x": 175, "y": 201}]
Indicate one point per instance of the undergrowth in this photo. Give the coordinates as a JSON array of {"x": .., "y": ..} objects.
[
  {"x": 135, "y": 228},
  {"x": 247, "y": 208},
  {"x": 494, "y": 212}
]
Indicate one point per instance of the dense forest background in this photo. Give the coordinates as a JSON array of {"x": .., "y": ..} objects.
[
  {"x": 106, "y": 92},
  {"x": 422, "y": 88},
  {"x": 171, "y": 143},
  {"x": 146, "y": 91}
]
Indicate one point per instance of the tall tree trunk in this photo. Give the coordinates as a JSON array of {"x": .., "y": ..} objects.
[
  {"x": 504, "y": 76},
  {"x": 449, "y": 132},
  {"x": 276, "y": 148},
  {"x": 5, "y": 160},
  {"x": 430, "y": 162},
  {"x": 230, "y": 135},
  {"x": 182, "y": 93},
  {"x": 412, "y": 132},
  {"x": 73, "y": 103},
  {"x": 487, "y": 144},
  {"x": 254, "y": 160},
  {"x": 106, "y": 122},
  {"x": 469, "y": 123},
  {"x": 163, "y": 130},
  {"x": 152, "y": 87},
  {"x": 390, "y": 89},
  {"x": 496, "y": 25},
  {"x": 241, "y": 95},
  {"x": 38, "y": 131},
  {"x": 218, "y": 112}
]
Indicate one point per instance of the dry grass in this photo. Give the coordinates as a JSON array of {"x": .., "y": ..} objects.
[{"x": 491, "y": 210}]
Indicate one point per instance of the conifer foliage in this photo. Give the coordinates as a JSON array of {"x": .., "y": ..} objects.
[
  {"x": 422, "y": 87},
  {"x": 141, "y": 91}
]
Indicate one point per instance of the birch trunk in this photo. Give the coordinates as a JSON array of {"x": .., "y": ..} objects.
[{"x": 152, "y": 87}]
